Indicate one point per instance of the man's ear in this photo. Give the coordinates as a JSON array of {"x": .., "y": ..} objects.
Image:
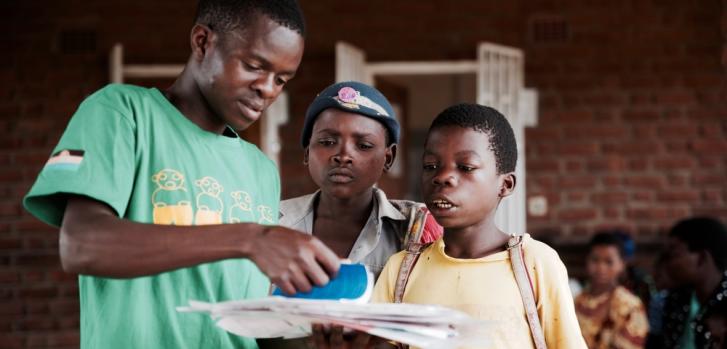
[
  {"x": 201, "y": 39},
  {"x": 305, "y": 156},
  {"x": 390, "y": 157},
  {"x": 508, "y": 184},
  {"x": 704, "y": 259}
]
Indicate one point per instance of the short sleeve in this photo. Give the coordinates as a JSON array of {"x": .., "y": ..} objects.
[
  {"x": 555, "y": 302},
  {"x": 278, "y": 192},
  {"x": 94, "y": 158}
]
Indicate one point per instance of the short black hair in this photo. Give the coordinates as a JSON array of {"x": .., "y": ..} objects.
[
  {"x": 224, "y": 16},
  {"x": 627, "y": 242},
  {"x": 607, "y": 239},
  {"x": 703, "y": 233},
  {"x": 486, "y": 120}
]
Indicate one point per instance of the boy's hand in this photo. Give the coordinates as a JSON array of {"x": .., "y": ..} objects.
[
  {"x": 333, "y": 338},
  {"x": 292, "y": 260}
]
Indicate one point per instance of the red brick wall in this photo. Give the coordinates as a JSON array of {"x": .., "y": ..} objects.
[
  {"x": 635, "y": 134},
  {"x": 632, "y": 129}
]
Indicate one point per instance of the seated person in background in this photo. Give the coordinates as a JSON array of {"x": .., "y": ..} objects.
[
  {"x": 610, "y": 316},
  {"x": 696, "y": 257},
  {"x": 350, "y": 138},
  {"x": 671, "y": 311},
  {"x": 468, "y": 168}
]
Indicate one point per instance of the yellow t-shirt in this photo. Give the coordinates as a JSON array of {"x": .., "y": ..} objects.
[{"x": 485, "y": 288}]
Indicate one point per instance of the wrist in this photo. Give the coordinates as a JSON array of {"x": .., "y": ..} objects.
[{"x": 247, "y": 242}]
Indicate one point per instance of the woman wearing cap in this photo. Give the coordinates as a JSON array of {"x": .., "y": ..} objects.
[{"x": 350, "y": 139}]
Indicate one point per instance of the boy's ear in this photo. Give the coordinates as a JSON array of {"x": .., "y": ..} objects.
[
  {"x": 201, "y": 39},
  {"x": 305, "y": 156},
  {"x": 390, "y": 157},
  {"x": 508, "y": 184}
]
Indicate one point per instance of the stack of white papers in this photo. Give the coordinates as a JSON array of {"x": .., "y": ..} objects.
[
  {"x": 344, "y": 301},
  {"x": 424, "y": 326}
]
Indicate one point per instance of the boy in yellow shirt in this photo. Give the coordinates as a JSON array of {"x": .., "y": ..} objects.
[{"x": 468, "y": 168}]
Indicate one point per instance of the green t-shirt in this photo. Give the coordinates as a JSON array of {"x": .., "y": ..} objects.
[{"x": 130, "y": 148}]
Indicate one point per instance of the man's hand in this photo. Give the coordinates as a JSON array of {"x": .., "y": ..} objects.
[{"x": 292, "y": 260}]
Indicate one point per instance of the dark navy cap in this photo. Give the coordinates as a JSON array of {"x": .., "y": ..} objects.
[{"x": 353, "y": 97}]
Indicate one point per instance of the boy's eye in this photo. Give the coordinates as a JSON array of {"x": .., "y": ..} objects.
[
  {"x": 281, "y": 81},
  {"x": 430, "y": 167},
  {"x": 326, "y": 142},
  {"x": 365, "y": 146},
  {"x": 466, "y": 168},
  {"x": 251, "y": 67}
]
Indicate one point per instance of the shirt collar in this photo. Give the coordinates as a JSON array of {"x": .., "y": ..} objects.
[
  {"x": 386, "y": 209},
  {"x": 297, "y": 210}
]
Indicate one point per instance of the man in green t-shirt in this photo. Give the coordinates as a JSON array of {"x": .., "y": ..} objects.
[{"x": 159, "y": 201}]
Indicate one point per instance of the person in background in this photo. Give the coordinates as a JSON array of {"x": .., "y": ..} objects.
[
  {"x": 696, "y": 257},
  {"x": 671, "y": 311},
  {"x": 610, "y": 316}
]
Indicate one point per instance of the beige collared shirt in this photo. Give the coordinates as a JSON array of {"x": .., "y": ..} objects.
[{"x": 379, "y": 239}]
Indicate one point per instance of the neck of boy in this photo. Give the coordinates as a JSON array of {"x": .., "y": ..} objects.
[
  {"x": 187, "y": 98},
  {"x": 475, "y": 241},
  {"x": 354, "y": 209}
]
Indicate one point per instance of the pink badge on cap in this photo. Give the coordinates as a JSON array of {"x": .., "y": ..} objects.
[{"x": 347, "y": 94}]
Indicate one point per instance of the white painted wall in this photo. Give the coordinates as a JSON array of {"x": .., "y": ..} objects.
[{"x": 430, "y": 94}]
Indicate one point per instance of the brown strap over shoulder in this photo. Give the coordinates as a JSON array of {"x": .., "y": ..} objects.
[
  {"x": 417, "y": 219},
  {"x": 407, "y": 264},
  {"x": 527, "y": 293}
]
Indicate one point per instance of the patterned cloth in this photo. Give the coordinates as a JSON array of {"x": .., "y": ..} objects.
[
  {"x": 680, "y": 308},
  {"x": 616, "y": 319},
  {"x": 701, "y": 332}
]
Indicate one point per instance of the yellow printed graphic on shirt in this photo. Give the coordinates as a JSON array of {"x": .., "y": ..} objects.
[
  {"x": 170, "y": 208},
  {"x": 241, "y": 210},
  {"x": 172, "y": 202},
  {"x": 266, "y": 215},
  {"x": 209, "y": 204}
]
